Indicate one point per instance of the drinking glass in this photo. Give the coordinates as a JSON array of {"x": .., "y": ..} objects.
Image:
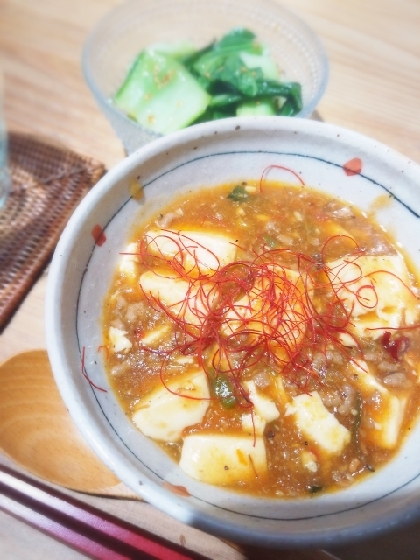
[{"x": 4, "y": 167}]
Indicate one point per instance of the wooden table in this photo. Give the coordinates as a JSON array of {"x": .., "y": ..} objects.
[{"x": 374, "y": 88}]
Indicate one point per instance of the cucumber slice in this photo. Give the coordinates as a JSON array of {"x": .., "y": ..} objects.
[
  {"x": 264, "y": 108},
  {"x": 131, "y": 90},
  {"x": 160, "y": 94},
  {"x": 264, "y": 61},
  {"x": 178, "y": 50}
]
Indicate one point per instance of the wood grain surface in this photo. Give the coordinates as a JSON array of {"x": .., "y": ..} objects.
[
  {"x": 37, "y": 431},
  {"x": 374, "y": 88}
]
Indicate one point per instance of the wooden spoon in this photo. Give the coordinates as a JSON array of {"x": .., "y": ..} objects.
[{"x": 37, "y": 432}]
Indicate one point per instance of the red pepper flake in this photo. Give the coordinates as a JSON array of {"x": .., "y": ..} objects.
[
  {"x": 139, "y": 333},
  {"x": 178, "y": 490},
  {"x": 353, "y": 167},
  {"x": 395, "y": 347},
  {"x": 98, "y": 235}
]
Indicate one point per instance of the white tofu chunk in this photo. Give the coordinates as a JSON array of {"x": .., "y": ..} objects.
[
  {"x": 154, "y": 337},
  {"x": 188, "y": 300},
  {"x": 253, "y": 423},
  {"x": 185, "y": 360},
  {"x": 129, "y": 261},
  {"x": 376, "y": 290},
  {"x": 264, "y": 407},
  {"x": 281, "y": 391},
  {"x": 282, "y": 398},
  {"x": 318, "y": 424},
  {"x": 198, "y": 251},
  {"x": 118, "y": 342},
  {"x": 388, "y": 414},
  {"x": 347, "y": 339},
  {"x": 365, "y": 380},
  {"x": 391, "y": 421},
  {"x": 309, "y": 461},
  {"x": 167, "y": 411},
  {"x": 223, "y": 459}
]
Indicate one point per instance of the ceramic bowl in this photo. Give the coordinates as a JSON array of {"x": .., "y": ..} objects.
[
  {"x": 132, "y": 26},
  {"x": 341, "y": 163}
]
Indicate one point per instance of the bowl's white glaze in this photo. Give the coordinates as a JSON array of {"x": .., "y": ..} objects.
[{"x": 340, "y": 162}]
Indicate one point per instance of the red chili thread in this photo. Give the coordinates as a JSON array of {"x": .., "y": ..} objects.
[
  {"x": 85, "y": 375},
  {"x": 359, "y": 294},
  {"x": 275, "y": 331},
  {"x": 186, "y": 249},
  {"x": 389, "y": 273},
  {"x": 270, "y": 167},
  {"x": 131, "y": 253},
  {"x": 218, "y": 311},
  {"x": 104, "y": 349}
]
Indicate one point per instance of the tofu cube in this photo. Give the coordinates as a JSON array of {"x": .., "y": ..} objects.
[
  {"x": 199, "y": 252},
  {"x": 317, "y": 424},
  {"x": 223, "y": 459},
  {"x": 167, "y": 411},
  {"x": 376, "y": 290}
]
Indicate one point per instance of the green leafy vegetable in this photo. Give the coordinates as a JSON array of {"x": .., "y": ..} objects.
[
  {"x": 239, "y": 38},
  {"x": 170, "y": 87},
  {"x": 224, "y": 99}
]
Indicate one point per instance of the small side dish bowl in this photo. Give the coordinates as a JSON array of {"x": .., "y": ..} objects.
[
  {"x": 114, "y": 43},
  {"x": 344, "y": 164}
]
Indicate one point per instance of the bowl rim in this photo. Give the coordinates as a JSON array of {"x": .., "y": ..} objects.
[
  {"x": 106, "y": 104},
  {"x": 159, "y": 497}
]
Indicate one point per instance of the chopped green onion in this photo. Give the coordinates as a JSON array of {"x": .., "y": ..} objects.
[
  {"x": 239, "y": 194},
  {"x": 316, "y": 489},
  {"x": 271, "y": 242},
  {"x": 223, "y": 390}
]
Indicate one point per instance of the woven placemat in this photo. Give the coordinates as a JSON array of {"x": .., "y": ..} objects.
[{"x": 48, "y": 182}]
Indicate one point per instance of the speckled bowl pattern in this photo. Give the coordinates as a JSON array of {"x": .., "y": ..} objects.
[
  {"x": 130, "y": 27},
  {"x": 342, "y": 163}
]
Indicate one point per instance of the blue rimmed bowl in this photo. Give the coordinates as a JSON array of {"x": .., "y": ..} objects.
[{"x": 339, "y": 162}]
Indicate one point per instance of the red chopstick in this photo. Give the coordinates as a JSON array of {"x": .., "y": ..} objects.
[{"x": 81, "y": 526}]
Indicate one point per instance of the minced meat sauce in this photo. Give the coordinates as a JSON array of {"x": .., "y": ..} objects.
[{"x": 266, "y": 338}]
